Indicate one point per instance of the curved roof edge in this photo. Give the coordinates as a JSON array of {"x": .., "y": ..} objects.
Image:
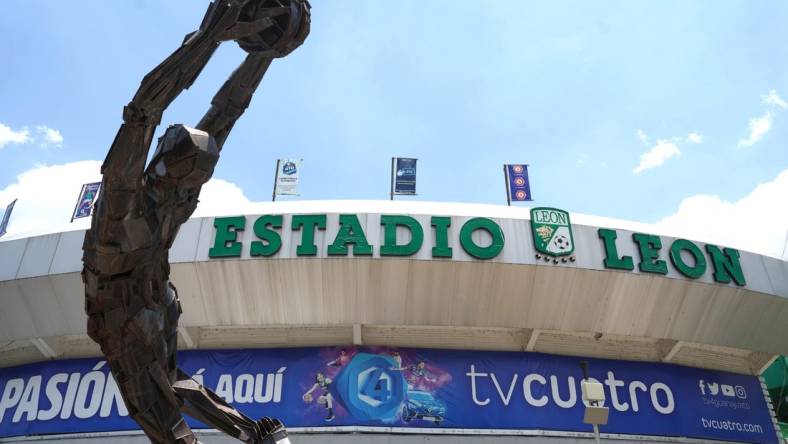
[{"x": 404, "y": 206}]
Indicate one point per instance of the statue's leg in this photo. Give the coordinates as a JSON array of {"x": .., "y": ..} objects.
[
  {"x": 148, "y": 394},
  {"x": 137, "y": 330},
  {"x": 208, "y": 407}
]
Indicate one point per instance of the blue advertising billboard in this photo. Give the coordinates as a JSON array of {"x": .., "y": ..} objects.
[
  {"x": 403, "y": 175},
  {"x": 408, "y": 388}
]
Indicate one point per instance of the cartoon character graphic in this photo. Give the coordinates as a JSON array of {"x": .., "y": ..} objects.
[
  {"x": 325, "y": 399},
  {"x": 341, "y": 360},
  {"x": 418, "y": 373},
  {"x": 398, "y": 359}
]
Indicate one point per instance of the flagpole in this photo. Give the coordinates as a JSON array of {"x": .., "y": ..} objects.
[
  {"x": 508, "y": 191},
  {"x": 79, "y": 200},
  {"x": 276, "y": 177},
  {"x": 391, "y": 193}
]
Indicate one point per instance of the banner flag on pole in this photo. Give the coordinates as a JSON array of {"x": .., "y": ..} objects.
[
  {"x": 87, "y": 196},
  {"x": 6, "y": 217},
  {"x": 287, "y": 172},
  {"x": 403, "y": 176},
  {"x": 519, "y": 187}
]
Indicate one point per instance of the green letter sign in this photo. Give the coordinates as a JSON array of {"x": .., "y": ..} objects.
[
  {"x": 470, "y": 247},
  {"x": 611, "y": 252},
  {"x": 309, "y": 222},
  {"x": 693, "y": 272},
  {"x": 390, "y": 247},
  {"x": 225, "y": 244},
  {"x": 726, "y": 265},
  {"x": 441, "y": 248},
  {"x": 272, "y": 240},
  {"x": 649, "y": 246},
  {"x": 350, "y": 232}
]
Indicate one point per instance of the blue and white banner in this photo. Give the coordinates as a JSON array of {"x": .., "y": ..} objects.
[
  {"x": 410, "y": 388},
  {"x": 517, "y": 183},
  {"x": 87, "y": 196},
  {"x": 6, "y": 217},
  {"x": 403, "y": 175},
  {"x": 287, "y": 173}
]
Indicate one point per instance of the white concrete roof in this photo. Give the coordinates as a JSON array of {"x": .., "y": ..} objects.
[{"x": 512, "y": 302}]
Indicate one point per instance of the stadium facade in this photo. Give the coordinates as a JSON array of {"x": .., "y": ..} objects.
[{"x": 405, "y": 322}]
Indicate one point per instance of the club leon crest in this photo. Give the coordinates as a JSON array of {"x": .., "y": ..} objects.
[{"x": 552, "y": 233}]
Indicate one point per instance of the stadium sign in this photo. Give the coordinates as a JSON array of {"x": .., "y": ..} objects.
[
  {"x": 551, "y": 229},
  {"x": 351, "y": 235}
]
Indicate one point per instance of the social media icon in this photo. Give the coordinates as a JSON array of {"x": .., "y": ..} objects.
[
  {"x": 740, "y": 392},
  {"x": 714, "y": 388},
  {"x": 727, "y": 390}
]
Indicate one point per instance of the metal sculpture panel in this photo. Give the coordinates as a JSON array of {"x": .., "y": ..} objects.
[{"x": 132, "y": 307}]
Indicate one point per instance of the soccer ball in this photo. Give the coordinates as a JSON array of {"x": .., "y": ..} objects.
[
  {"x": 561, "y": 242},
  {"x": 287, "y": 33}
]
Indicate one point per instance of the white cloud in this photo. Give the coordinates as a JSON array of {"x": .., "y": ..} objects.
[
  {"x": 642, "y": 136},
  {"x": 45, "y": 136},
  {"x": 49, "y": 136},
  {"x": 7, "y": 135},
  {"x": 757, "y": 222},
  {"x": 758, "y": 126},
  {"x": 694, "y": 138},
  {"x": 657, "y": 155},
  {"x": 220, "y": 197},
  {"x": 47, "y": 195},
  {"x": 663, "y": 150},
  {"x": 773, "y": 99}
]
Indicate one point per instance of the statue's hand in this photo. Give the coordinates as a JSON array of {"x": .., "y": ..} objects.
[
  {"x": 273, "y": 431},
  {"x": 272, "y": 28}
]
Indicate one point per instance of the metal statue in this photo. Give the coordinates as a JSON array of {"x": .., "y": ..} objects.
[{"x": 132, "y": 307}]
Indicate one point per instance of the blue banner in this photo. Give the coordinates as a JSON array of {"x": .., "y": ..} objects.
[
  {"x": 6, "y": 217},
  {"x": 87, "y": 196},
  {"x": 404, "y": 175},
  {"x": 518, "y": 183},
  {"x": 420, "y": 388}
]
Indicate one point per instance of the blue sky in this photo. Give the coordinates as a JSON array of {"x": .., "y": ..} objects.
[{"x": 578, "y": 90}]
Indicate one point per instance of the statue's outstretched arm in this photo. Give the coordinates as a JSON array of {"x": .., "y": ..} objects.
[
  {"x": 127, "y": 156},
  {"x": 287, "y": 27},
  {"x": 233, "y": 97}
]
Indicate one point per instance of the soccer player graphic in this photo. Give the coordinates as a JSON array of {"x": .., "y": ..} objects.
[{"x": 322, "y": 383}]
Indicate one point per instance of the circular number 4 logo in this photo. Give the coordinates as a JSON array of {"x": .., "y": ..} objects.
[{"x": 369, "y": 388}]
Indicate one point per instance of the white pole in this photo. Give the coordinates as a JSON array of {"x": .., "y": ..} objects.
[{"x": 596, "y": 434}]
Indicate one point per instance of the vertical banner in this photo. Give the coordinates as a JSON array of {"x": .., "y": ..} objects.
[
  {"x": 87, "y": 196},
  {"x": 286, "y": 182},
  {"x": 403, "y": 176},
  {"x": 6, "y": 217},
  {"x": 518, "y": 187}
]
